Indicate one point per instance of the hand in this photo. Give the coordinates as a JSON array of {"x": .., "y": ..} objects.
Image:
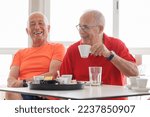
[
  {"x": 100, "y": 50},
  {"x": 14, "y": 83}
]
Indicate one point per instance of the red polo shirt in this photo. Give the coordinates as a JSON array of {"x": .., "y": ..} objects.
[{"x": 74, "y": 64}]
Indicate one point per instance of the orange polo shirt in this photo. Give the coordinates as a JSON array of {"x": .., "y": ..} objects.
[{"x": 36, "y": 61}]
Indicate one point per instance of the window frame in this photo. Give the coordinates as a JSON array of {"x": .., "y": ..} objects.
[{"x": 44, "y": 6}]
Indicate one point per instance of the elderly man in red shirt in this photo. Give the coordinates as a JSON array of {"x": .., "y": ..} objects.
[{"x": 108, "y": 52}]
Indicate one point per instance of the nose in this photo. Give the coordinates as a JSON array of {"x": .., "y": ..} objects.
[{"x": 37, "y": 26}]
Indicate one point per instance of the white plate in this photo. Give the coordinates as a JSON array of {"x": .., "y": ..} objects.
[{"x": 140, "y": 89}]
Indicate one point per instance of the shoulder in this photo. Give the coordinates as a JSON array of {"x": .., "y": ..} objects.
[
  {"x": 55, "y": 45},
  {"x": 22, "y": 50},
  {"x": 56, "y": 48},
  {"x": 113, "y": 42},
  {"x": 74, "y": 46}
]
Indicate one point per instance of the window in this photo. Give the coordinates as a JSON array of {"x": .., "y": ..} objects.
[
  {"x": 14, "y": 14},
  {"x": 13, "y": 23},
  {"x": 4, "y": 68},
  {"x": 65, "y": 16},
  {"x": 134, "y": 28},
  {"x": 134, "y": 22}
]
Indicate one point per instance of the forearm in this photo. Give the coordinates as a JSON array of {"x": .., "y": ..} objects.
[
  {"x": 126, "y": 67},
  {"x": 50, "y": 73},
  {"x": 54, "y": 67}
]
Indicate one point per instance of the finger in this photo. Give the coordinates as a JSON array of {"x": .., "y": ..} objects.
[
  {"x": 94, "y": 49},
  {"x": 98, "y": 52}
]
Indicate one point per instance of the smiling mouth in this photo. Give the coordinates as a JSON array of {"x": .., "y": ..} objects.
[{"x": 37, "y": 33}]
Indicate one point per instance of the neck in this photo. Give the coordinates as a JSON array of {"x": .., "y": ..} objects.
[{"x": 38, "y": 44}]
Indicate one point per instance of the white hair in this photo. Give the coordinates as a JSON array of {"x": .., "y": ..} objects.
[{"x": 40, "y": 13}]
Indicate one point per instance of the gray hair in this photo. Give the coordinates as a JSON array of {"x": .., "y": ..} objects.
[
  {"x": 40, "y": 13},
  {"x": 97, "y": 16}
]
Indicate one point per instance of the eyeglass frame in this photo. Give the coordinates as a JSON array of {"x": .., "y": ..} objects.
[{"x": 85, "y": 27}]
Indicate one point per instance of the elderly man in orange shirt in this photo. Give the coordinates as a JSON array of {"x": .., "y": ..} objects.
[{"x": 43, "y": 58}]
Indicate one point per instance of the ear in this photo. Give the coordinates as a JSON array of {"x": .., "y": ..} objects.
[
  {"x": 48, "y": 28},
  {"x": 101, "y": 28},
  {"x": 27, "y": 30}
]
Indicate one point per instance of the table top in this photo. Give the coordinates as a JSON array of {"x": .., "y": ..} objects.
[{"x": 88, "y": 92}]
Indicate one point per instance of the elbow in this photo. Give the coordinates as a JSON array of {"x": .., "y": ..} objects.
[{"x": 134, "y": 71}]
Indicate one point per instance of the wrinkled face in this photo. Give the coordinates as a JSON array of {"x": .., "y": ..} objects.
[
  {"x": 88, "y": 29},
  {"x": 37, "y": 28}
]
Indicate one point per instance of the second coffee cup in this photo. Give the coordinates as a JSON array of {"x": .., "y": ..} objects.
[{"x": 84, "y": 50}]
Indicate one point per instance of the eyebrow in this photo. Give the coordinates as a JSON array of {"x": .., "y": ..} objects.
[{"x": 36, "y": 20}]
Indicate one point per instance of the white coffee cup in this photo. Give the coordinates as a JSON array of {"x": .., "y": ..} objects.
[
  {"x": 142, "y": 82},
  {"x": 133, "y": 81},
  {"x": 65, "y": 79},
  {"x": 84, "y": 50},
  {"x": 36, "y": 79}
]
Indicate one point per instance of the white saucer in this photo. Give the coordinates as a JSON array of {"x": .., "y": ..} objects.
[
  {"x": 140, "y": 89},
  {"x": 87, "y": 83},
  {"x": 130, "y": 87}
]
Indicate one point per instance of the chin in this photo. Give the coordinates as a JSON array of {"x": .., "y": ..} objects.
[{"x": 86, "y": 40}]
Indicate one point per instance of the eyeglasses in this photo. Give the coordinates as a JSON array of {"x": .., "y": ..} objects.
[{"x": 84, "y": 27}]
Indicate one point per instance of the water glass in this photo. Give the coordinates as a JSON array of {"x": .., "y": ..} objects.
[{"x": 95, "y": 74}]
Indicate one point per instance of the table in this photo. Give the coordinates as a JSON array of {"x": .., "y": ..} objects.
[{"x": 87, "y": 93}]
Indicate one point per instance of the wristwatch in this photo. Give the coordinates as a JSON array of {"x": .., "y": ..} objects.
[
  {"x": 25, "y": 83},
  {"x": 111, "y": 56}
]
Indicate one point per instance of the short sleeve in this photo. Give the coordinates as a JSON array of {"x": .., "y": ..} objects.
[
  {"x": 16, "y": 59},
  {"x": 59, "y": 52},
  {"x": 123, "y": 51}
]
